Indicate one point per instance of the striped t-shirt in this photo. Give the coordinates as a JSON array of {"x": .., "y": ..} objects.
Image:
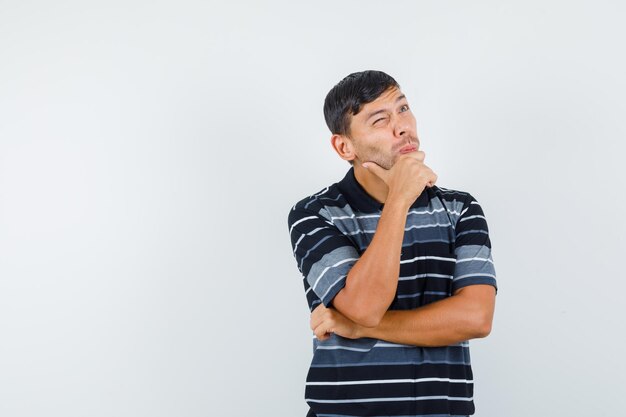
[{"x": 446, "y": 246}]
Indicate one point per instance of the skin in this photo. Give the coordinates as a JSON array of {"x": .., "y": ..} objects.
[{"x": 376, "y": 137}]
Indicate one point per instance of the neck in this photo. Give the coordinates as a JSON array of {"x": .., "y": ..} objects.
[{"x": 371, "y": 183}]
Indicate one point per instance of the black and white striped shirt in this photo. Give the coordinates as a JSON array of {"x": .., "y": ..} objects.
[{"x": 446, "y": 246}]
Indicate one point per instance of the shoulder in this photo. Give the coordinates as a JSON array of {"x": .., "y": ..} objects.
[
  {"x": 451, "y": 195},
  {"x": 460, "y": 205},
  {"x": 317, "y": 204},
  {"x": 455, "y": 198}
]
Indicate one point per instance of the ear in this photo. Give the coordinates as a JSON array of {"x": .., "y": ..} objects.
[{"x": 343, "y": 146}]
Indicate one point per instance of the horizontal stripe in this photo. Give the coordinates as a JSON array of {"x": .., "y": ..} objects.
[
  {"x": 348, "y": 364},
  {"x": 300, "y": 221},
  {"x": 393, "y": 381},
  {"x": 311, "y": 233},
  {"x": 458, "y": 261},
  {"x": 418, "y": 294},
  {"x": 425, "y": 226},
  {"x": 369, "y": 400},
  {"x": 419, "y": 258},
  {"x": 470, "y": 231},
  {"x": 474, "y": 275},
  {"x": 377, "y": 216},
  {"x": 472, "y": 217},
  {"x": 411, "y": 277},
  {"x": 308, "y": 252},
  {"x": 382, "y": 343}
]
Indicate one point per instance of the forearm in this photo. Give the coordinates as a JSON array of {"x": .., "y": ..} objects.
[
  {"x": 372, "y": 282},
  {"x": 445, "y": 322}
]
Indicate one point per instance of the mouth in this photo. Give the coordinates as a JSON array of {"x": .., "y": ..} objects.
[{"x": 408, "y": 149}]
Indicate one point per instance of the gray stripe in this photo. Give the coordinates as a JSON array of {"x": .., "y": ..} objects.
[
  {"x": 346, "y": 364},
  {"x": 467, "y": 266},
  {"x": 333, "y": 273},
  {"x": 414, "y": 354},
  {"x": 312, "y": 249},
  {"x": 418, "y": 294},
  {"x": 472, "y": 231}
]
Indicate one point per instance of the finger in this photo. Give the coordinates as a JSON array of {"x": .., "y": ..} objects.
[
  {"x": 419, "y": 155},
  {"x": 317, "y": 314},
  {"x": 432, "y": 179},
  {"x": 322, "y": 331},
  {"x": 325, "y": 337},
  {"x": 377, "y": 170}
]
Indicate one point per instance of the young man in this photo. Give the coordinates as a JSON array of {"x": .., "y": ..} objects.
[{"x": 398, "y": 272}]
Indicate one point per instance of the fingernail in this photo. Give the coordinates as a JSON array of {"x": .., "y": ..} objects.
[{"x": 365, "y": 165}]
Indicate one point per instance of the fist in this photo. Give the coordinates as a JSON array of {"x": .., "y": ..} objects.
[{"x": 407, "y": 178}]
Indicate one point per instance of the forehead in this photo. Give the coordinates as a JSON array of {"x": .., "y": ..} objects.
[{"x": 386, "y": 101}]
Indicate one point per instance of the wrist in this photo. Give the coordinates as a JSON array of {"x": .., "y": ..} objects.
[
  {"x": 362, "y": 331},
  {"x": 398, "y": 202}
]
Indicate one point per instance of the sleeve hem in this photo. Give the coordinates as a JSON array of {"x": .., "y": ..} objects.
[{"x": 475, "y": 281}]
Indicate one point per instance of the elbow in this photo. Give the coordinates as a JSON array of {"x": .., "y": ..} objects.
[
  {"x": 369, "y": 321},
  {"x": 482, "y": 326},
  {"x": 368, "y": 318}
]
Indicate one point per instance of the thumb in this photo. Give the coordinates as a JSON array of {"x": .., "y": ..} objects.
[{"x": 377, "y": 170}]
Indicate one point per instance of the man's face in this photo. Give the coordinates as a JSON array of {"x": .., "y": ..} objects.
[{"x": 384, "y": 130}]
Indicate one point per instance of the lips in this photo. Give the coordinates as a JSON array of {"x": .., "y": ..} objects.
[{"x": 408, "y": 148}]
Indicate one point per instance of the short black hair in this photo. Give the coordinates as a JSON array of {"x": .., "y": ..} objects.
[{"x": 345, "y": 99}]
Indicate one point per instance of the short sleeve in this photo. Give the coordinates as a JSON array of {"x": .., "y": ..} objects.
[
  {"x": 474, "y": 262},
  {"x": 324, "y": 255}
]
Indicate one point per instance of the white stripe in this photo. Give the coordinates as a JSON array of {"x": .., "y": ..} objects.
[
  {"x": 300, "y": 221},
  {"x": 311, "y": 233},
  {"x": 419, "y": 258},
  {"x": 474, "y": 275},
  {"x": 343, "y": 261},
  {"x": 427, "y": 225},
  {"x": 391, "y": 345},
  {"x": 406, "y": 229},
  {"x": 393, "y": 381},
  {"x": 424, "y": 276},
  {"x": 354, "y": 216},
  {"x": 295, "y": 247},
  {"x": 342, "y": 348},
  {"x": 371, "y": 400},
  {"x": 372, "y": 216},
  {"x": 473, "y": 259},
  {"x": 472, "y": 217}
]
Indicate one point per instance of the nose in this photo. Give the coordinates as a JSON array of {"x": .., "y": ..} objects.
[{"x": 401, "y": 127}]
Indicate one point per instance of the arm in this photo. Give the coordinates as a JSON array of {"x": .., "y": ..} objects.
[
  {"x": 361, "y": 287},
  {"x": 372, "y": 282},
  {"x": 467, "y": 314}
]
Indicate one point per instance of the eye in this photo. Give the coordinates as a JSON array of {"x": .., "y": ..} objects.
[
  {"x": 404, "y": 108},
  {"x": 378, "y": 120}
]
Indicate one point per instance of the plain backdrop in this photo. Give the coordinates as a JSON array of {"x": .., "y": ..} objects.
[{"x": 151, "y": 150}]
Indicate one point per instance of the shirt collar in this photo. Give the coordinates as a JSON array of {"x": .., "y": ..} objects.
[{"x": 359, "y": 198}]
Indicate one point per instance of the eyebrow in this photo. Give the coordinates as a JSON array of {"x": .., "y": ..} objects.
[{"x": 369, "y": 116}]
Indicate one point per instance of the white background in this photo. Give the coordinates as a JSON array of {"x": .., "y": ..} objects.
[{"x": 150, "y": 153}]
